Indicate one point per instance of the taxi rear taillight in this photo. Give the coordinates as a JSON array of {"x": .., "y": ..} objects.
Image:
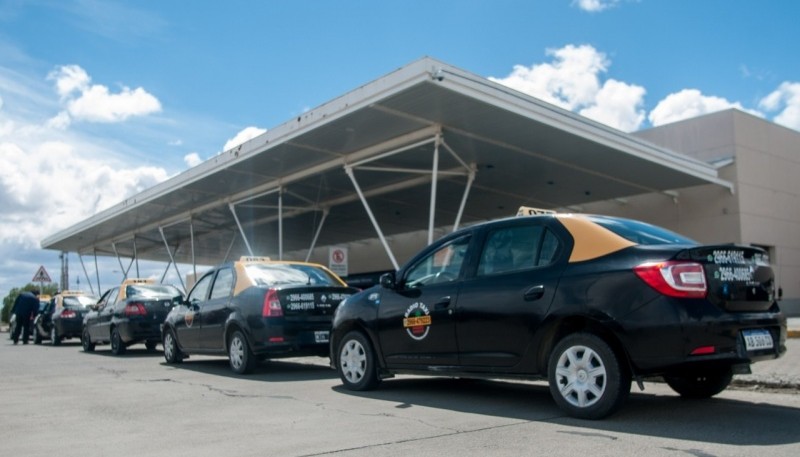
[
  {"x": 68, "y": 314},
  {"x": 272, "y": 305},
  {"x": 674, "y": 278},
  {"x": 135, "y": 309}
]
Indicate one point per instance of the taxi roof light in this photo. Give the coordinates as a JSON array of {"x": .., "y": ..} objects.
[{"x": 529, "y": 211}]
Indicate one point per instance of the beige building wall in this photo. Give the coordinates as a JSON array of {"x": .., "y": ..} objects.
[{"x": 761, "y": 159}]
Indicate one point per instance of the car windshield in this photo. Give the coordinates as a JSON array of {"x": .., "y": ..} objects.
[
  {"x": 152, "y": 290},
  {"x": 640, "y": 232},
  {"x": 80, "y": 301},
  {"x": 286, "y": 274}
]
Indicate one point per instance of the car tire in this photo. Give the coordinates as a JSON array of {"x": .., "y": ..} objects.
[
  {"x": 355, "y": 362},
  {"x": 55, "y": 339},
  {"x": 171, "y": 352},
  {"x": 117, "y": 345},
  {"x": 587, "y": 378},
  {"x": 240, "y": 357},
  {"x": 86, "y": 341},
  {"x": 702, "y": 384},
  {"x": 37, "y": 337}
]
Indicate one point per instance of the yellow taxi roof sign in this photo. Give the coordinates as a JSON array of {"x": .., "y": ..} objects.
[
  {"x": 130, "y": 281},
  {"x": 250, "y": 259},
  {"x": 529, "y": 211},
  {"x": 72, "y": 292}
]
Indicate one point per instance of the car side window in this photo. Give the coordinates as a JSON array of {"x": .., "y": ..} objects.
[
  {"x": 521, "y": 247},
  {"x": 442, "y": 265},
  {"x": 112, "y": 297},
  {"x": 223, "y": 284},
  {"x": 200, "y": 290}
]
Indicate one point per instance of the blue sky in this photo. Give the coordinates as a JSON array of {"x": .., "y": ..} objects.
[{"x": 102, "y": 99}]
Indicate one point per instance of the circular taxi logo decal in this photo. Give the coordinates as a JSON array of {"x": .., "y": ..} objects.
[
  {"x": 188, "y": 318},
  {"x": 417, "y": 321}
]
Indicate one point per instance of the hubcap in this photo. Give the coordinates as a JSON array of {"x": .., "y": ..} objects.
[
  {"x": 581, "y": 376},
  {"x": 353, "y": 360},
  {"x": 237, "y": 352},
  {"x": 168, "y": 346}
]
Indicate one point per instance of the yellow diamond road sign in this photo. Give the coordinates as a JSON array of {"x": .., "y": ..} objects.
[{"x": 41, "y": 275}]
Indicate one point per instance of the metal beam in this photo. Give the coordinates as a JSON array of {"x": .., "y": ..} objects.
[
  {"x": 241, "y": 230},
  {"x": 325, "y": 213},
  {"x": 352, "y": 176},
  {"x": 172, "y": 259}
]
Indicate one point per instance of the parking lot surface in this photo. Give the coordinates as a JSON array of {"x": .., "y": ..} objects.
[{"x": 62, "y": 401}]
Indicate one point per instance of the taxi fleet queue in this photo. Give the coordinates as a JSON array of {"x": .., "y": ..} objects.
[{"x": 592, "y": 304}]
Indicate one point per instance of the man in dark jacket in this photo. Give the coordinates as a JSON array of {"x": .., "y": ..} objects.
[{"x": 25, "y": 308}]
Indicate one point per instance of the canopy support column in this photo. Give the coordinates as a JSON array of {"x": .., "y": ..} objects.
[
  {"x": 349, "y": 171},
  {"x": 316, "y": 235},
  {"x": 171, "y": 258},
  {"x": 96, "y": 270},
  {"x": 280, "y": 223},
  {"x": 191, "y": 240},
  {"x": 85, "y": 273},
  {"x": 434, "y": 181},
  {"x": 230, "y": 247},
  {"x": 241, "y": 230},
  {"x": 470, "y": 180}
]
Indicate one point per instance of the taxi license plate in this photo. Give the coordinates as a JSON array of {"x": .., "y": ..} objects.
[
  {"x": 755, "y": 340},
  {"x": 322, "y": 336}
]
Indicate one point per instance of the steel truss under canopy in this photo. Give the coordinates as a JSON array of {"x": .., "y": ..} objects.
[{"x": 426, "y": 146}]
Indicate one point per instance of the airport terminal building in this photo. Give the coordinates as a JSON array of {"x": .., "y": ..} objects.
[{"x": 383, "y": 170}]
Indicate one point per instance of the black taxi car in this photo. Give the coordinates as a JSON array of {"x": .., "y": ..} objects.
[
  {"x": 129, "y": 314},
  {"x": 62, "y": 317},
  {"x": 588, "y": 302},
  {"x": 255, "y": 308}
]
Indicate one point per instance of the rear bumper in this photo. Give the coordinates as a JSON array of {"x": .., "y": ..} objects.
[
  {"x": 291, "y": 339},
  {"x": 134, "y": 331},
  {"x": 69, "y": 328},
  {"x": 702, "y": 335}
]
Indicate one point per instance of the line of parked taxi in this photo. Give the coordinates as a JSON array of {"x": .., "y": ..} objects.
[{"x": 589, "y": 303}]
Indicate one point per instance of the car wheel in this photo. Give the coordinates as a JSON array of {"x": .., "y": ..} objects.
[
  {"x": 37, "y": 337},
  {"x": 356, "y": 362},
  {"x": 587, "y": 379},
  {"x": 171, "y": 352},
  {"x": 701, "y": 384},
  {"x": 86, "y": 342},
  {"x": 117, "y": 346},
  {"x": 55, "y": 339},
  {"x": 241, "y": 358}
]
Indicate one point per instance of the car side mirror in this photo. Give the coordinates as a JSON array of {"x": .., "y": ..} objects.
[{"x": 387, "y": 281}]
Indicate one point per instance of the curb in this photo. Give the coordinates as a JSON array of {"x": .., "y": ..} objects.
[{"x": 793, "y": 334}]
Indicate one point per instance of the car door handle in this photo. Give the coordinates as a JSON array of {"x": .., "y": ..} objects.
[
  {"x": 443, "y": 303},
  {"x": 534, "y": 293}
]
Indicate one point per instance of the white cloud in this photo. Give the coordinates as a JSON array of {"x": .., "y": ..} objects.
[
  {"x": 572, "y": 81},
  {"x": 52, "y": 186},
  {"x": 619, "y": 105},
  {"x": 50, "y": 177},
  {"x": 192, "y": 159},
  {"x": 689, "y": 103},
  {"x": 594, "y": 6},
  {"x": 248, "y": 133},
  {"x": 94, "y": 102},
  {"x": 787, "y": 99}
]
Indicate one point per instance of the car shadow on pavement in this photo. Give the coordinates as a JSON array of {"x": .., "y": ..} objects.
[
  {"x": 266, "y": 371},
  {"x": 716, "y": 420},
  {"x": 130, "y": 353}
]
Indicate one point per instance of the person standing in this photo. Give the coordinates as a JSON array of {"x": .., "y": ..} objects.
[{"x": 25, "y": 308}]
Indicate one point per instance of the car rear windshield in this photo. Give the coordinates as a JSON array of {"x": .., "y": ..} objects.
[
  {"x": 81, "y": 301},
  {"x": 640, "y": 232},
  {"x": 152, "y": 290},
  {"x": 290, "y": 274}
]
